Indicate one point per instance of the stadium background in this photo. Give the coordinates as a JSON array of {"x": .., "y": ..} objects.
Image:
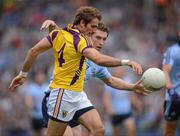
[{"x": 139, "y": 29}]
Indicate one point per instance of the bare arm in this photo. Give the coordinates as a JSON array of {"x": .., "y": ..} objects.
[
  {"x": 100, "y": 59},
  {"x": 167, "y": 68},
  {"x": 42, "y": 46},
  {"x": 104, "y": 60},
  {"x": 120, "y": 84}
]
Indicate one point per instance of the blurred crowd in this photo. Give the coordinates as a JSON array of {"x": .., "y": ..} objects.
[{"x": 140, "y": 30}]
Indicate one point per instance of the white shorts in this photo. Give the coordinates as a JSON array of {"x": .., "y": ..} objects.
[{"x": 63, "y": 104}]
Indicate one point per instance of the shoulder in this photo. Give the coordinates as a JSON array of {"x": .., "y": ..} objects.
[
  {"x": 53, "y": 34},
  {"x": 174, "y": 47},
  {"x": 86, "y": 39}
]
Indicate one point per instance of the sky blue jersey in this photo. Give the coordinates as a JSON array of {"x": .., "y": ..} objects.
[
  {"x": 94, "y": 70},
  {"x": 172, "y": 57}
]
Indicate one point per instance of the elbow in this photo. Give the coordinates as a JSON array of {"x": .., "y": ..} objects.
[{"x": 97, "y": 61}]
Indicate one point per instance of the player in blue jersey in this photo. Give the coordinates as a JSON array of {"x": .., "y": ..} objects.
[
  {"x": 171, "y": 68},
  {"x": 93, "y": 70}
]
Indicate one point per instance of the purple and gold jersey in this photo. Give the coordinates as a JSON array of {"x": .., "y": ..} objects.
[{"x": 70, "y": 65}]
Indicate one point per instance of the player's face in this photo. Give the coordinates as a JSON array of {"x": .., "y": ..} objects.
[
  {"x": 99, "y": 38},
  {"x": 91, "y": 27}
]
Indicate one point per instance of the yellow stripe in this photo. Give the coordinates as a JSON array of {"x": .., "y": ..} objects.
[{"x": 58, "y": 102}]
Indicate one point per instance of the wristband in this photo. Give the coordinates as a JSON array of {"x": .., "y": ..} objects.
[
  {"x": 23, "y": 74},
  {"x": 125, "y": 62}
]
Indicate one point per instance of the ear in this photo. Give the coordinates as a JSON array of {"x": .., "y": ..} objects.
[{"x": 82, "y": 23}]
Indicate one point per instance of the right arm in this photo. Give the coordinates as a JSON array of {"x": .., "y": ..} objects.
[
  {"x": 167, "y": 68},
  {"x": 167, "y": 64},
  {"x": 42, "y": 46}
]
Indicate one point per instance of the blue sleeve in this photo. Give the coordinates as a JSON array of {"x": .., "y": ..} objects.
[
  {"x": 102, "y": 72},
  {"x": 168, "y": 57}
]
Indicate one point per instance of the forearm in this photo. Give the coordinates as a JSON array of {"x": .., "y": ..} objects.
[
  {"x": 167, "y": 76},
  {"x": 104, "y": 60},
  {"x": 108, "y": 61},
  {"x": 119, "y": 83},
  {"x": 166, "y": 70},
  {"x": 42, "y": 46},
  {"x": 29, "y": 60}
]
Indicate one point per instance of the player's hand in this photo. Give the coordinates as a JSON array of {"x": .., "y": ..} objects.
[
  {"x": 49, "y": 24},
  {"x": 139, "y": 88},
  {"x": 17, "y": 81},
  {"x": 135, "y": 66}
]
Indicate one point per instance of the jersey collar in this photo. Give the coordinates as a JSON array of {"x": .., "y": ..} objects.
[{"x": 73, "y": 28}]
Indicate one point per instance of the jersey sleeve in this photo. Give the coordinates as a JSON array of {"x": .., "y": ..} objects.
[
  {"x": 102, "y": 72},
  {"x": 168, "y": 57}
]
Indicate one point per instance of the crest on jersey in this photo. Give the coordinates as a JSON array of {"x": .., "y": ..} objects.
[{"x": 64, "y": 113}]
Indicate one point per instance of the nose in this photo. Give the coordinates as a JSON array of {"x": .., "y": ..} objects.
[{"x": 101, "y": 42}]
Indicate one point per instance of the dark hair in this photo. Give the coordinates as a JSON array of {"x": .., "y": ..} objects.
[
  {"x": 103, "y": 28},
  {"x": 86, "y": 14}
]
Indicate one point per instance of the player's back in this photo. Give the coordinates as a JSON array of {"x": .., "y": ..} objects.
[{"x": 68, "y": 45}]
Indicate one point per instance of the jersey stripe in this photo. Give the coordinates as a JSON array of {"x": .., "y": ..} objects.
[
  {"x": 54, "y": 34},
  {"x": 78, "y": 72},
  {"x": 49, "y": 39},
  {"x": 76, "y": 38},
  {"x": 58, "y": 103}
]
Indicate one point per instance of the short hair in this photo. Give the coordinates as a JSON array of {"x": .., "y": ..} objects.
[
  {"x": 87, "y": 14},
  {"x": 103, "y": 27}
]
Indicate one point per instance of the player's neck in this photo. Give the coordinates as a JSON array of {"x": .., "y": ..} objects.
[{"x": 79, "y": 28}]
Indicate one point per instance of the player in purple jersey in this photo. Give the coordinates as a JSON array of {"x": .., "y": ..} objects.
[
  {"x": 99, "y": 37},
  {"x": 65, "y": 106},
  {"x": 171, "y": 68}
]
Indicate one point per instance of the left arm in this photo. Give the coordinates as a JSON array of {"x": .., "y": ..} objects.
[
  {"x": 118, "y": 83},
  {"x": 123, "y": 85}
]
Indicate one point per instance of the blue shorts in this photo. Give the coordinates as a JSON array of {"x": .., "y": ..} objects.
[
  {"x": 73, "y": 123},
  {"x": 118, "y": 119},
  {"x": 172, "y": 109}
]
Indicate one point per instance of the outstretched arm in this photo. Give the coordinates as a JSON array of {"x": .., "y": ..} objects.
[
  {"x": 104, "y": 60},
  {"x": 123, "y": 85},
  {"x": 42, "y": 46}
]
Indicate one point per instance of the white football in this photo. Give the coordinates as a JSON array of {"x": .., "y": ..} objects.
[{"x": 153, "y": 79}]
